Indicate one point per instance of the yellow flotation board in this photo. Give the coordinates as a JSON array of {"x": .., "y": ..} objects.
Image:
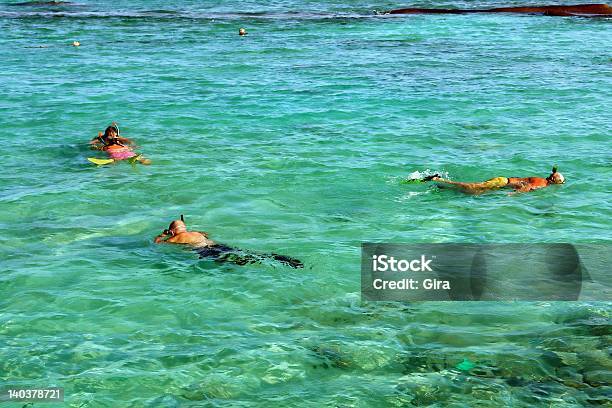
[{"x": 100, "y": 162}]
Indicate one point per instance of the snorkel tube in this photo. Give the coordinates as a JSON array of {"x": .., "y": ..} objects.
[{"x": 554, "y": 170}]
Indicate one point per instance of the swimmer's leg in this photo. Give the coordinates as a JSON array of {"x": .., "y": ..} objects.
[
  {"x": 237, "y": 258},
  {"x": 222, "y": 253},
  {"x": 140, "y": 159},
  {"x": 285, "y": 260},
  {"x": 469, "y": 187},
  {"x": 143, "y": 160},
  {"x": 242, "y": 258}
]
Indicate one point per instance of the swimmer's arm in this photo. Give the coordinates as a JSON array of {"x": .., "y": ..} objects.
[
  {"x": 96, "y": 142},
  {"x": 441, "y": 180},
  {"x": 125, "y": 140},
  {"x": 467, "y": 186},
  {"x": 161, "y": 238}
]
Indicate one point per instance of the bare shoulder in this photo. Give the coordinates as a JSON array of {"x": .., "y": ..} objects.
[
  {"x": 189, "y": 238},
  {"x": 176, "y": 239}
]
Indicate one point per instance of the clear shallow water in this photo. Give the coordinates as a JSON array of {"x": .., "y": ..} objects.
[{"x": 293, "y": 140}]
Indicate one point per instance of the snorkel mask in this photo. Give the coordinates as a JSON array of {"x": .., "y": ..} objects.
[
  {"x": 106, "y": 138},
  {"x": 555, "y": 177},
  {"x": 116, "y": 128},
  {"x": 169, "y": 231}
]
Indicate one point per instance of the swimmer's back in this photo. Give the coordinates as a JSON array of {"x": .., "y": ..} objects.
[
  {"x": 532, "y": 181},
  {"x": 116, "y": 147},
  {"x": 190, "y": 238}
]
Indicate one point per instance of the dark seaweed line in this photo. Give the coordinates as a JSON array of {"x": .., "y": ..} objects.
[
  {"x": 180, "y": 16},
  {"x": 165, "y": 15}
]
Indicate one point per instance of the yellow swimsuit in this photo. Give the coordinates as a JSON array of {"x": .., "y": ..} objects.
[{"x": 497, "y": 182}]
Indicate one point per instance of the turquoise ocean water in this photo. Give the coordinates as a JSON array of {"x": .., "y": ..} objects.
[{"x": 293, "y": 139}]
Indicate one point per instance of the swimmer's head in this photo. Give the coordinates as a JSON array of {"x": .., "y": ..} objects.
[
  {"x": 178, "y": 226},
  {"x": 242, "y": 31},
  {"x": 555, "y": 177},
  {"x": 76, "y": 44},
  {"x": 111, "y": 132}
]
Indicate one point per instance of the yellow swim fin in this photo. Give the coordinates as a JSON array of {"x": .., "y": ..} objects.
[{"x": 100, "y": 162}]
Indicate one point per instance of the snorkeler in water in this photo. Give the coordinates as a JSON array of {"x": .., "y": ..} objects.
[
  {"x": 518, "y": 184},
  {"x": 117, "y": 147},
  {"x": 111, "y": 133},
  {"x": 177, "y": 233}
]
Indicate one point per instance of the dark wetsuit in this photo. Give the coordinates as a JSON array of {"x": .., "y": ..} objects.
[{"x": 224, "y": 253}]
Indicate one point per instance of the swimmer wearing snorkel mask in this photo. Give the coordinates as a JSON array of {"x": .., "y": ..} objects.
[
  {"x": 117, "y": 147},
  {"x": 177, "y": 233},
  {"x": 110, "y": 135},
  {"x": 518, "y": 184}
]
